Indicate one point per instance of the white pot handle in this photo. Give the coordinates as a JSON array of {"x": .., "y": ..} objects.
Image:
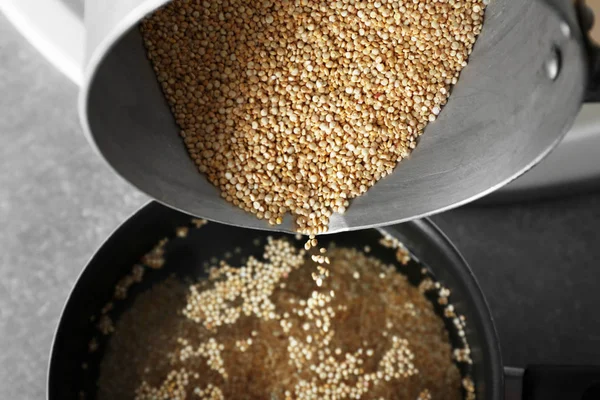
[{"x": 53, "y": 29}]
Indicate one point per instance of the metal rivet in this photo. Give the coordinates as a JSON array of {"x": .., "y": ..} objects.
[
  {"x": 565, "y": 29},
  {"x": 552, "y": 64}
]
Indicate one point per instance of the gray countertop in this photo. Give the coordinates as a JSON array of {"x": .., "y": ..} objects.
[{"x": 538, "y": 263}]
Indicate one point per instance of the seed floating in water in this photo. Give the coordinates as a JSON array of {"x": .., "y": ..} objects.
[{"x": 267, "y": 330}]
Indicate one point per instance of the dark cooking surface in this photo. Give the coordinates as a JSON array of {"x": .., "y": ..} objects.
[{"x": 539, "y": 264}]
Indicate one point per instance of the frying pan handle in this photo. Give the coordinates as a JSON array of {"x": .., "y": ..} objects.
[
  {"x": 54, "y": 29},
  {"x": 539, "y": 382},
  {"x": 585, "y": 16}
]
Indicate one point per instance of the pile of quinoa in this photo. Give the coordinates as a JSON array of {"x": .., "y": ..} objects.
[
  {"x": 266, "y": 330},
  {"x": 300, "y": 106}
]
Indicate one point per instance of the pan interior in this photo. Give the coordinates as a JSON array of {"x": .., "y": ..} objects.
[{"x": 185, "y": 257}]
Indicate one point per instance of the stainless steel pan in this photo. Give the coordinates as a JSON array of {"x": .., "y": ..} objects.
[{"x": 513, "y": 103}]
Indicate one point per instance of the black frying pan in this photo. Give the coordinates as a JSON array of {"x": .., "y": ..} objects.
[{"x": 185, "y": 257}]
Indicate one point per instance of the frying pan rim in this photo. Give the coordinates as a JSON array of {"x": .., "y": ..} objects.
[{"x": 480, "y": 305}]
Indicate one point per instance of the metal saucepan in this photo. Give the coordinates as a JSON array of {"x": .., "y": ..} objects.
[
  {"x": 514, "y": 101},
  {"x": 185, "y": 256}
]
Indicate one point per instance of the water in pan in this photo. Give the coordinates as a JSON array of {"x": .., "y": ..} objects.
[{"x": 174, "y": 257}]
